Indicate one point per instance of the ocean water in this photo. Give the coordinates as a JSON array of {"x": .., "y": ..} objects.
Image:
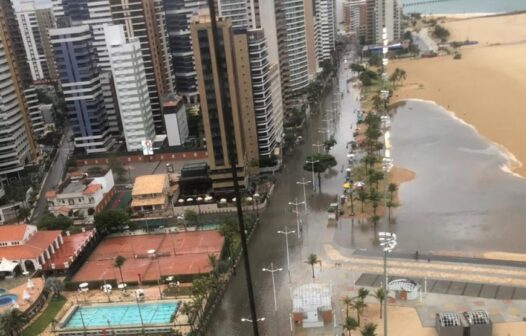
[{"x": 464, "y": 6}]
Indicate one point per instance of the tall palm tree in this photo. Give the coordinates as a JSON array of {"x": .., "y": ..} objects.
[
  {"x": 347, "y": 301},
  {"x": 369, "y": 329},
  {"x": 312, "y": 260},
  {"x": 362, "y": 196},
  {"x": 350, "y": 325},
  {"x": 119, "y": 261},
  {"x": 359, "y": 305},
  {"x": 12, "y": 322},
  {"x": 212, "y": 261},
  {"x": 362, "y": 293},
  {"x": 379, "y": 294}
]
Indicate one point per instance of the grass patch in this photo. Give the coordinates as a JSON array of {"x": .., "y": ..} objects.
[{"x": 39, "y": 325}]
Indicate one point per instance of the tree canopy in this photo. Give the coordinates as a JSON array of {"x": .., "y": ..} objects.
[
  {"x": 324, "y": 162},
  {"x": 50, "y": 222},
  {"x": 112, "y": 220}
]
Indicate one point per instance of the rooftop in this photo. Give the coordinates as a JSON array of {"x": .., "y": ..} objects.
[
  {"x": 148, "y": 201},
  {"x": 74, "y": 187},
  {"x": 32, "y": 248},
  {"x": 149, "y": 184},
  {"x": 72, "y": 246},
  {"x": 12, "y": 232}
]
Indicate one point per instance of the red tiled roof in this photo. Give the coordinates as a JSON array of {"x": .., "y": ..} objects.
[
  {"x": 71, "y": 244},
  {"x": 51, "y": 194},
  {"x": 90, "y": 189},
  {"x": 12, "y": 232},
  {"x": 32, "y": 248}
]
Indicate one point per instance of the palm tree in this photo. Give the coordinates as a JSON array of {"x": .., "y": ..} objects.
[
  {"x": 54, "y": 285},
  {"x": 359, "y": 305},
  {"x": 350, "y": 324},
  {"x": 391, "y": 204},
  {"x": 312, "y": 260},
  {"x": 212, "y": 261},
  {"x": 392, "y": 188},
  {"x": 362, "y": 293},
  {"x": 362, "y": 195},
  {"x": 380, "y": 295},
  {"x": 12, "y": 322},
  {"x": 119, "y": 261},
  {"x": 347, "y": 301},
  {"x": 369, "y": 329}
]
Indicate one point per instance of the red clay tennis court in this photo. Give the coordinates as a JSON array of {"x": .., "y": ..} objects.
[{"x": 177, "y": 254}]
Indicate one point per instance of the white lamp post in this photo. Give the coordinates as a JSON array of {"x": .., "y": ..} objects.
[
  {"x": 286, "y": 233},
  {"x": 261, "y": 319},
  {"x": 273, "y": 270},
  {"x": 304, "y": 183},
  {"x": 317, "y": 145},
  {"x": 296, "y": 203},
  {"x": 388, "y": 243},
  {"x": 312, "y": 170}
]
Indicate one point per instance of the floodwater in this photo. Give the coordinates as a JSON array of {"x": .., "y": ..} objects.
[{"x": 462, "y": 199}]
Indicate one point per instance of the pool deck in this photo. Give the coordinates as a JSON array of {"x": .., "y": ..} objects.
[{"x": 19, "y": 291}]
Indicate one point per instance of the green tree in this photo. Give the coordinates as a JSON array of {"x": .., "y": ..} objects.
[
  {"x": 374, "y": 197},
  {"x": 329, "y": 143},
  {"x": 212, "y": 261},
  {"x": 312, "y": 260},
  {"x": 359, "y": 305},
  {"x": 362, "y": 293},
  {"x": 390, "y": 204},
  {"x": 112, "y": 220},
  {"x": 322, "y": 162},
  {"x": 379, "y": 294},
  {"x": 50, "y": 222},
  {"x": 347, "y": 301},
  {"x": 369, "y": 329},
  {"x": 392, "y": 188},
  {"x": 187, "y": 309},
  {"x": 54, "y": 285},
  {"x": 441, "y": 33},
  {"x": 230, "y": 230},
  {"x": 350, "y": 325},
  {"x": 23, "y": 214},
  {"x": 117, "y": 168},
  {"x": 119, "y": 262},
  {"x": 190, "y": 217},
  {"x": 362, "y": 196},
  {"x": 12, "y": 321}
]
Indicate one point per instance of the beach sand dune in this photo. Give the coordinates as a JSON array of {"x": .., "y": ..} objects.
[{"x": 486, "y": 88}]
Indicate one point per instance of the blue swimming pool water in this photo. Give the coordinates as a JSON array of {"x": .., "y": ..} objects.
[
  {"x": 2, "y": 290},
  {"x": 122, "y": 315},
  {"x": 7, "y": 299}
]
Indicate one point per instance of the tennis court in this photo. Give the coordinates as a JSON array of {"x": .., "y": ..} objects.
[{"x": 183, "y": 253}]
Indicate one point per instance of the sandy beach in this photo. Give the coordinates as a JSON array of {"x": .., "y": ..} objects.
[{"x": 486, "y": 87}]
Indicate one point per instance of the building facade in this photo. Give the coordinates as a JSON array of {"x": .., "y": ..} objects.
[
  {"x": 325, "y": 27},
  {"x": 380, "y": 14},
  {"x": 232, "y": 130},
  {"x": 127, "y": 66},
  {"x": 145, "y": 20},
  {"x": 76, "y": 61},
  {"x": 16, "y": 137},
  {"x": 174, "y": 112}
]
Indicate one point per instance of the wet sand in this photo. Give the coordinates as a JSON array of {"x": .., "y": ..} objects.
[{"x": 484, "y": 88}]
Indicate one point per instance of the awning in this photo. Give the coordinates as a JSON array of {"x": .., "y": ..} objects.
[{"x": 7, "y": 265}]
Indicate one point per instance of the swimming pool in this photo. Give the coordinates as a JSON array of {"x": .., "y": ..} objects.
[
  {"x": 116, "y": 315},
  {"x": 7, "y": 299},
  {"x": 3, "y": 290}
]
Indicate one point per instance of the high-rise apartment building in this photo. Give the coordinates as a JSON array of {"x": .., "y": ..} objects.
[
  {"x": 145, "y": 21},
  {"x": 355, "y": 18},
  {"x": 33, "y": 26},
  {"x": 268, "y": 107},
  {"x": 16, "y": 137},
  {"x": 127, "y": 66},
  {"x": 178, "y": 15},
  {"x": 380, "y": 14},
  {"x": 45, "y": 22},
  {"x": 292, "y": 46},
  {"x": 234, "y": 129},
  {"x": 325, "y": 29},
  {"x": 76, "y": 60}
]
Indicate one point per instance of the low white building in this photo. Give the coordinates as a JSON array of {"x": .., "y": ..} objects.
[{"x": 81, "y": 197}]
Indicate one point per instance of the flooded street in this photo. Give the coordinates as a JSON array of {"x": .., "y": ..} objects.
[{"x": 468, "y": 204}]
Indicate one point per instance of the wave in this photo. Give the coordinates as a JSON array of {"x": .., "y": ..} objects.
[{"x": 511, "y": 164}]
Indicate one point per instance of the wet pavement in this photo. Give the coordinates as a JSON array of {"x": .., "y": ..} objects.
[{"x": 460, "y": 201}]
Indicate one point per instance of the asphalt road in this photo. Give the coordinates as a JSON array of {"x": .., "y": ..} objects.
[{"x": 54, "y": 176}]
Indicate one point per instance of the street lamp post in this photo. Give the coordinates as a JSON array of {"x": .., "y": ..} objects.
[
  {"x": 286, "y": 233},
  {"x": 273, "y": 270},
  {"x": 388, "y": 243},
  {"x": 317, "y": 145},
  {"x": 304, "y": 183},
  {"x": 312, "y": 170},
  {"x": 296, "y": 203}
]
